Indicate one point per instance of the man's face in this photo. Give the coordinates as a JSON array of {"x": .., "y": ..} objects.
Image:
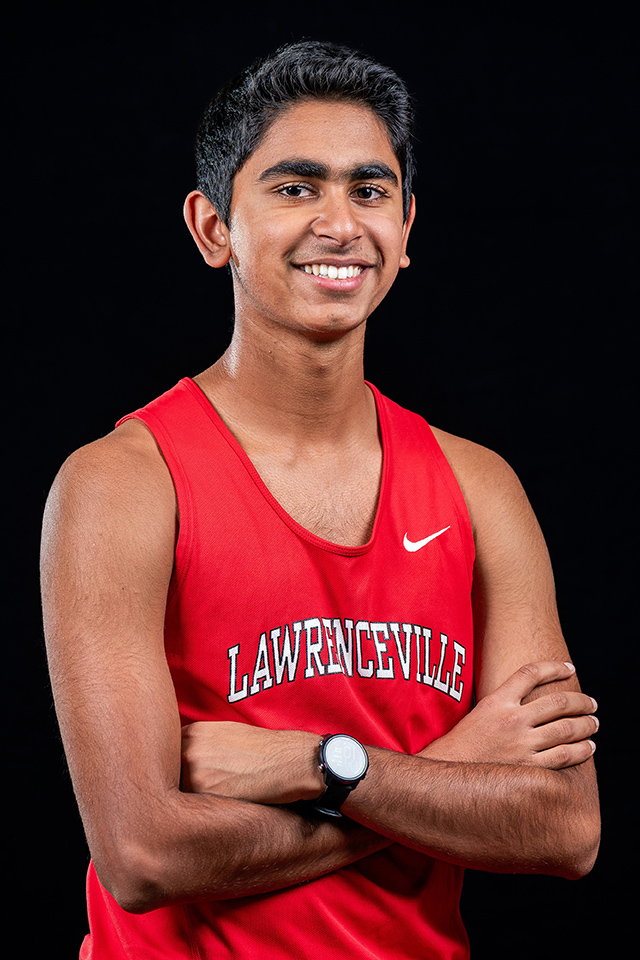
[{"x": 316, "y": 228}]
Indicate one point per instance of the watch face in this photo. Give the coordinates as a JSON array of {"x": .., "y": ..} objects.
[{"x": 345, "y": 757}]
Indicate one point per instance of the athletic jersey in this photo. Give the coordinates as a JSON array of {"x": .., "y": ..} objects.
[{"x": 269, "y": 624}]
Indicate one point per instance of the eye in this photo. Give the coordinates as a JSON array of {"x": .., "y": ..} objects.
[
  {"x": 369, "y": 192},
  {"x": 294, "y": 191}
]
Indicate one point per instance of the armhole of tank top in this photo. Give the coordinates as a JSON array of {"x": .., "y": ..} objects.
[
  {"x": 460, "y": 504},
  {"x": 186, "y": 517},
  {"x": 437, "y": 457}
]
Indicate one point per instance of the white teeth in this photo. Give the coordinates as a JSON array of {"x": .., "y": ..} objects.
[{"x": 334, "y": 273}]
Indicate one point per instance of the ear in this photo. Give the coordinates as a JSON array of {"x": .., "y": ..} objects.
[
  {"x": 207, "y": 229},
  {"x": 404, "y": 259}
]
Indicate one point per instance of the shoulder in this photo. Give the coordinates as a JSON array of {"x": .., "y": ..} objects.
[
  {"x": 116, "y": 484},
  {"x": 488, "y": 483}
]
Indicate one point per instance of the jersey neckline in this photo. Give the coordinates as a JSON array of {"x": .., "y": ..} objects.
[{"x": 296, "y": 527}]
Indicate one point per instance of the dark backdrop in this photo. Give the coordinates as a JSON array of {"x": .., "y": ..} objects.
[{"x": 512, "y": 327}]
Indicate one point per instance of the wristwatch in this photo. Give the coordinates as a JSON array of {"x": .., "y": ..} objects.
[{"x": 344, "y": 763}]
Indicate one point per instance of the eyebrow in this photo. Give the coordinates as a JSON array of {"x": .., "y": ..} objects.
[{"x": 373, "y": 170}]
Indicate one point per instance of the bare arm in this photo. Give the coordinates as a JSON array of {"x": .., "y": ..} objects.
[
  {"x": 512, "y": 786},
  {"x": 497, "y": 793},
  {"x": 107, "y": 556},
  {"x": 510, "y": 816},
  {"x": 487, "y": 796}
]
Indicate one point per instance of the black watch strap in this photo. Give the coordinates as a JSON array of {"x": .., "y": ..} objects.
[{"x": 332, "y": 799}]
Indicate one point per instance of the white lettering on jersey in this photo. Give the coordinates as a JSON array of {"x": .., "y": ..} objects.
[
  {"x": 362, "y": 626},
  {"x": 383, "y": 672},
  {"x": 458, "y": 663},
  {"x": 329, "y": 645},
  {"x": 234, "y": 694},
  {"x": 438, "y": 682},
  {"x": 262, "y": 669},
  {"x": 284, "y": 657},
  {"x": 313, "y": 647},
  {"x": 332, "y": 666}
]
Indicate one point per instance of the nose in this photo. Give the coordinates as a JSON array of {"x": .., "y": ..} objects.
[{"x": 337, "y": 218}]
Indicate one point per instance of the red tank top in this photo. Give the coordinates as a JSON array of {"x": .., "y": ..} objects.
[{"x": 269, "y": 624}]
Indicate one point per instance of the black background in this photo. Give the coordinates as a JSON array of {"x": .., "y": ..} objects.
[{"x": 512, "y": 327}]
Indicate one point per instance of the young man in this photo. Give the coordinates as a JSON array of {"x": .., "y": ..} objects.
[{"x": 272, "y": 553}]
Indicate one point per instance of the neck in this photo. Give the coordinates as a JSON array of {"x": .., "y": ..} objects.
[{"x": 301, "y": 390}]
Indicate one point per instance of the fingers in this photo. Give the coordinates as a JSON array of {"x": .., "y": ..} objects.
[
  {"x": 521, "y": 683},
  {"x": 565, "y": 755},
  {"x": 563, "y": 726},
  {"x": 552, "y": 730},
  {"x": 559, "y": 704},
  {"x": 567, "y": 730}
]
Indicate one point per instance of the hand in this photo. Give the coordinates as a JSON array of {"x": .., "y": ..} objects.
[
  {"x": 250, "y": 763},
  {"x": 551, "y": 731}
]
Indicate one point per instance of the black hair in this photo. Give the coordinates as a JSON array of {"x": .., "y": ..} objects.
[{"x": 239, "y": 116}]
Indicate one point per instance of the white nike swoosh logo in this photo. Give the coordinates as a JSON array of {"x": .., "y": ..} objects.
[{"x": 419, "y": 544}]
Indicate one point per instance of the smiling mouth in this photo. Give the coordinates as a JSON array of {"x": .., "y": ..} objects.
[{"x": 332, "y": 272}]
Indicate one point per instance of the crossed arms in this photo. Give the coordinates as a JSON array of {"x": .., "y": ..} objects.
[{"x": 210, "y": 811}]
